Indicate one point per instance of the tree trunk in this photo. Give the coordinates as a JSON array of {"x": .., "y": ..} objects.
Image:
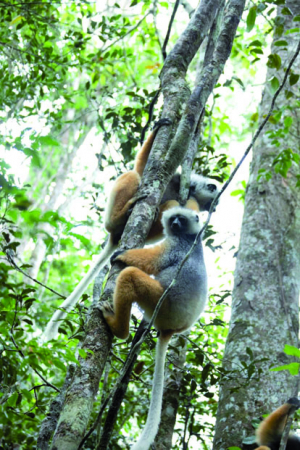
[{"x": 266, "y": 291}]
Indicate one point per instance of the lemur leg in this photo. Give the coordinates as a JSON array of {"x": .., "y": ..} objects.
[
  {"x": 192, "y": 204},
  {"x": 132, "y": 285},
  {"x": 143, "y": 154},
  {"x": 121, "y": 198},
  {"x": 156, "y": 230},
  {"x": 272, "y": 425}
]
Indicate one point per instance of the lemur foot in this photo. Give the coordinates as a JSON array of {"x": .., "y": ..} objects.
[
  {"x": 156, "y": 216},
  {"x": 162, "y": 122},
  {"x": 107, "y": 309},
  {"x": 133, "y": 202}
]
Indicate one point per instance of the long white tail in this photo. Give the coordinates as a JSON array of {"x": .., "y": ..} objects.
[
  {"x": 153, "y": 419},
  {"x": 68, "y": 303}
]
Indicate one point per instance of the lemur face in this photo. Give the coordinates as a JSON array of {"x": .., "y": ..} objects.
[
  {"x": 203, "y": 191},
  {"x": 181, "y": 221}
]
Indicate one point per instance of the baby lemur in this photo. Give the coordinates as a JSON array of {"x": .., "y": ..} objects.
[
  {"x": 179, "y": 310},
  {"x": 122, "y": 197}
]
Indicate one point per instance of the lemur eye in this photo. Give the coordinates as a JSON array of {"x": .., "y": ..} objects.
[
  {"x": 212, "y": 187},
  {"x": 197, "y": 218}
]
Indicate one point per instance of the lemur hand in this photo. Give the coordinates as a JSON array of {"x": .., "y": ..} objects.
[
  {"x": 115, "y": 255},
  {"x": 294, "y": 401}
]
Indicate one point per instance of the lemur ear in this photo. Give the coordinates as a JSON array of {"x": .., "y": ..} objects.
[{"x": 211, "y": 187}]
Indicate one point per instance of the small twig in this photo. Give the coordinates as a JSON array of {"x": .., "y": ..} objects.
[
  {"x": 150, "y": 115},
  {"x": 128, "y": 32},
  {"x": 12, "y": 262},
  {"x": 287, "y": 427},
  {"x": 36, "y": 371},
  {"x": 164, "y": 46}
]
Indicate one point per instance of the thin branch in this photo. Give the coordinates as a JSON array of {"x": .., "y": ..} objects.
[
  {"x": 150, "y": 115},
  {"x": 23, "y": 356},
  {"x": 117, "y": 394},
  {"x": 164, "y": 52},
  {"x": 12, "y": 262},
  {"x": 128, "y": 32}
]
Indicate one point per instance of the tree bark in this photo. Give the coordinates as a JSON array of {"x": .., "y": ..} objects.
[{"x": 266, "y": 290}]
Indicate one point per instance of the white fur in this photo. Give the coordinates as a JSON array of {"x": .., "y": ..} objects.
[
  {"x": 52, "y": 327},
  {"x": 153, "y": 419}
]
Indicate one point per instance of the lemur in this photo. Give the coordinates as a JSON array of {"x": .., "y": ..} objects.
[
  {"x": 179, "y": 310},
  {"x": 270, "y": 430},
  {"x": 121, "y": 199}
]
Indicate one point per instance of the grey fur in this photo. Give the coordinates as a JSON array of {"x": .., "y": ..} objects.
[{"x": 186, "y": 300}]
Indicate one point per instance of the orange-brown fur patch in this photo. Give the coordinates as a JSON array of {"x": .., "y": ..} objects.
[
  {"x": 192, "y": 204},
  {"x": 132, "y": 285},
  {"x": 143, "y": 154},
  {"x": 146, "y": 259},
  {"x": 272, "y": 425}
]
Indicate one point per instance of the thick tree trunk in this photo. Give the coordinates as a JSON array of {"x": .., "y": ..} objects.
[{"x": 266, "y": 292}]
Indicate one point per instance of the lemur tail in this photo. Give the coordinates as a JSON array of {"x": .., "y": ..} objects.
[
  {"x": 153, "y": 419},
  {"x": 52, "y": 327}
]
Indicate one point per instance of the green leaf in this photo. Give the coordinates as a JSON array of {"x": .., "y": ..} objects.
[
  {"x": 288, "y": 121},
  {"x": 81, "y": 238},
  {"x": 274, "y": 61},
  {"x": 82, "y": 353},
  {"x": 281, "y": 43},
  {"x": 12, "y": 400},
  {"x": 255, "y": 43},
  {"x": 293, "y": 368},
  {"x": 250, "y": 21},
  {"x": 274, "y": 84},
  {"x": 291, "y": 350},
  {"x": 293, "y": 78},
  {"x": 286, "y": 11}
]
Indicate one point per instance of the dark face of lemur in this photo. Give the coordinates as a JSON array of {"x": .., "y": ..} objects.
[
  {"x": 204, "y": 192},
  {"x": 181, "y": 225}
]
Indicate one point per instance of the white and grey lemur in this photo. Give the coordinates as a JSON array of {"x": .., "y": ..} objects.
[
  {"x": 179, "y": 310},
  {"x": 122, "y": 197}
]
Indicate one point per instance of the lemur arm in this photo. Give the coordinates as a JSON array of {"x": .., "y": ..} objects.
[{"x": 146, "y": 259}]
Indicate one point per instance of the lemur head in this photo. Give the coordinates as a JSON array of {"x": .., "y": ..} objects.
[
  {"x": 180, "y": 221},
  {"x": 204, "y": 190}
]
